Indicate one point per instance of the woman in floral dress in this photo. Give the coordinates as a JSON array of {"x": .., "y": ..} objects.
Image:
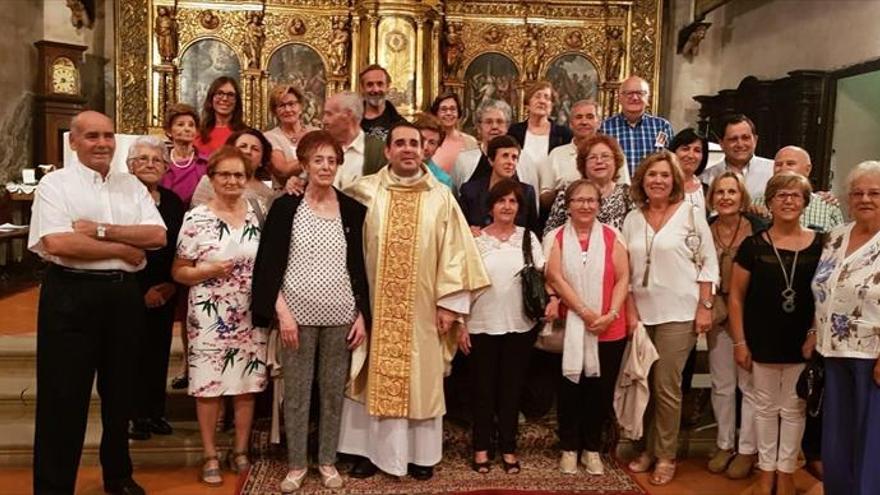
[{"x": 227, "y": 354}]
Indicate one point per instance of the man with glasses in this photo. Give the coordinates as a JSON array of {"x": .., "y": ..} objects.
[
  {"x": 638, "y": 132},
  {"x": 92, "y": 225}
]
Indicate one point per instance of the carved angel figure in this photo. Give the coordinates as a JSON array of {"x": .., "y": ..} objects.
[
  {"x": 614, "y": 53},
  {"x": 532, "y": 53}
]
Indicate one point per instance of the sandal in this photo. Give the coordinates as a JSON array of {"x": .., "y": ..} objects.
[
  {"x": 293, "y": 480},
  {"x": 211, "y": 475},
  {"x": 239, "y": 462},
  {"x": 664, "y": 472},
  {"x": 510, "y": 467},
  {"x": 641, "y": 464},
  {"x": 331, "y": 477},
  {"x": 482, "y": 467}
]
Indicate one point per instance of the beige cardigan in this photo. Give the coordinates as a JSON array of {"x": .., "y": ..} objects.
[{"x": 631, "y": 393}]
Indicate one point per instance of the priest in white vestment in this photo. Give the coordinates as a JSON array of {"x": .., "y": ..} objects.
[{"x": 423, "y": 267}]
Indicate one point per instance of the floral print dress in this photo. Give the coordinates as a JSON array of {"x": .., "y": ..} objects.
[{"x": 227, "y": 354}]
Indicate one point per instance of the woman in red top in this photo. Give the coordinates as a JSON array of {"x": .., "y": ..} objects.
[
  {"x": 588, "y": 268},
  {"x": 222, "y": 114}
]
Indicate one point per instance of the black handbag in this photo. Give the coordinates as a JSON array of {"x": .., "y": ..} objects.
[
  {"x": 811, "y": 384},
  {"x": 534, "y": 294}
]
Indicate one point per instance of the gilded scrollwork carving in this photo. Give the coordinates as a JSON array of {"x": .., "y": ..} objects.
[
  {"x": 166, "y": 33},
  {"x": 493, "y": 35},
  {"x": 574, "y": 39},
  {"x": 132, "y": 70}
]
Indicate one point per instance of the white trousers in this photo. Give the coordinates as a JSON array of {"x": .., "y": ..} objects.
[
  {"x": 390, "y": 443},
  {"x": 726, "y": 375},
  {"x": 779, "y": 417}
]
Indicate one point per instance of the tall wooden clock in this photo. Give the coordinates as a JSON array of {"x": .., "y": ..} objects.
[{"x": 59, "y": 97}]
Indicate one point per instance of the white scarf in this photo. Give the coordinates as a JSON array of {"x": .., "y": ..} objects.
[{"x": 584, "y": 273}]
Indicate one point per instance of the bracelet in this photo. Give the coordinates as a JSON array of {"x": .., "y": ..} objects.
[
  {"x": 551, "y": 296},
  {"x": 812, "y": 331},
  {"x": 740, "y": 343},
  {"x": 614, "y": 314}
]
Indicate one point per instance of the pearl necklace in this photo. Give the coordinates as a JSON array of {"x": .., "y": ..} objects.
[{"x": 192, "y": 157}]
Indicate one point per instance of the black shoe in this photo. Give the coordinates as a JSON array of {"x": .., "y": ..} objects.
[
  {"x": 139, "y": 430},
  {"x": 124, "y": 487},
  {"x": 160, "y": 426},
  {"x": 363, "y": 468},
  {"x": 421, "y": 473}
]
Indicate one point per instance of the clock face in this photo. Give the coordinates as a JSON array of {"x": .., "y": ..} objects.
[{"x": 65, "y": 77}]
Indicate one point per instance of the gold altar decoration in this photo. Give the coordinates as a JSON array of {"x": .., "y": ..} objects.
[{"x": 167, "y": 50}]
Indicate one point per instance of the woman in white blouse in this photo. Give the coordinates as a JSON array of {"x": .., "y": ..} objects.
[
  {"x": 286, "y": 102},
  {"x": 673, "y": 267},
  {"x": 498, "y": 336},
  {"x": 846, "y": 290}
]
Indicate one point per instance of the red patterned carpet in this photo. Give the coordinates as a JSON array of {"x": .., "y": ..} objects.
[{"x": 540, "y": 473}]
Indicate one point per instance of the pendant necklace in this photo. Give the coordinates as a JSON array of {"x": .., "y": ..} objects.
[{"x": 788, "y": 294}]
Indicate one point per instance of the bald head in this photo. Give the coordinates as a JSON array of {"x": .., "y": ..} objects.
[
  {"x": 794, "y": 159},
  {"x": 93, "y": 140},
  {"x": 634, "y": 94}
]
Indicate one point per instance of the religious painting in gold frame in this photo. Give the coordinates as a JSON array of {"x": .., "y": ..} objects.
[
  {"x": 574, "y": 78},
  {"x": 489, "y": 76},
  {"x": 201, "y": 63},
  {"x": 300, "y": 65}
]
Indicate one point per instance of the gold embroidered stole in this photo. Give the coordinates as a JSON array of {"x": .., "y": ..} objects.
[{"x": 394, "y": 307}]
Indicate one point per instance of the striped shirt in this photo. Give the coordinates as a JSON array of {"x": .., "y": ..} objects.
[{"x": 648, "y": 135}]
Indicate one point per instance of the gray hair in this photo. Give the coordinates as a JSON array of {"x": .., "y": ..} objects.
[
  {"x": 352, "y": 102},
  {"x": 152, "y": 142},
  {"x": 869, "y": 167},
  {"x": 587, "y": 101},
  {"x": 487, "y": 105}
]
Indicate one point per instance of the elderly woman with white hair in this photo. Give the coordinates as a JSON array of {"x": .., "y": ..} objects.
[
  {"x": 846, "y": 290},
  {"x": 492, "y": 118},
  {"x": 148, "y": 160}
]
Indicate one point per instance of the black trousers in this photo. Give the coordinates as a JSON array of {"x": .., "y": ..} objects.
[
  {"x": 152, "y": 358},
  {"x": 498, "y": 365},
  {"x": 87, "y": 323},
  {"x": 583, "y": 408}
]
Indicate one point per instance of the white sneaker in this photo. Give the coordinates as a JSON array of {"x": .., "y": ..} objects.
[
  {"x": 593, "y": 462},
  {"x": 568, "y": 462}
]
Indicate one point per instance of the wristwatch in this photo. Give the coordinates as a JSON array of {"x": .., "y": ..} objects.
[
  {"x": 708, "y": 303},
  {"x": 101, "y": 231}
]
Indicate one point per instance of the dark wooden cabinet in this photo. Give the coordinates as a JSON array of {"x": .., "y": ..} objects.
[
  {"x": 786, "y": 111},
  {"x": 58, "y": 98}
]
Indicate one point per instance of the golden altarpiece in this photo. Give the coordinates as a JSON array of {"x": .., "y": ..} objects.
[{"x": 170, "y": 50}]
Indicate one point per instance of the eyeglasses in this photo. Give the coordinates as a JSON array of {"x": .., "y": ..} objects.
[
  {"x": 238, "y": 176},
  {"x": 637, "y": 93},
  {"x": 583, "y": 201},
  {"x": 795, "y": 197},
  {"x": 605, "y": 157},
  {"x": 872, "y": 195},
  {"x": 448, "y": 109},
  {"x": 229, "y": 95},
  {"x": 290, "y": 104},
  {"x": 144, "y": 159},
  {"x": 494, "y": 121}
]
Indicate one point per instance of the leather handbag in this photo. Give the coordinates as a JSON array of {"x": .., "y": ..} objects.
[
  {"x": 534, "y": 294},
  {"x": 811, "y": 384}
]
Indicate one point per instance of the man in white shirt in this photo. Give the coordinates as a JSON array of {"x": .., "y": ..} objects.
[
  {"x": 363, "y": 154},
  {"x": 738, "y": 143},
  {"x": 92, "y": 224},
  {"x": 560, "y": 169}
]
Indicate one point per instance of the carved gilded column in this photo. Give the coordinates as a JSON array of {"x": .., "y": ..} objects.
[
  {"x": 608, "y": 97},
  {"x": 253, "y": 83},
  {"x": 167, "y": 90}
]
